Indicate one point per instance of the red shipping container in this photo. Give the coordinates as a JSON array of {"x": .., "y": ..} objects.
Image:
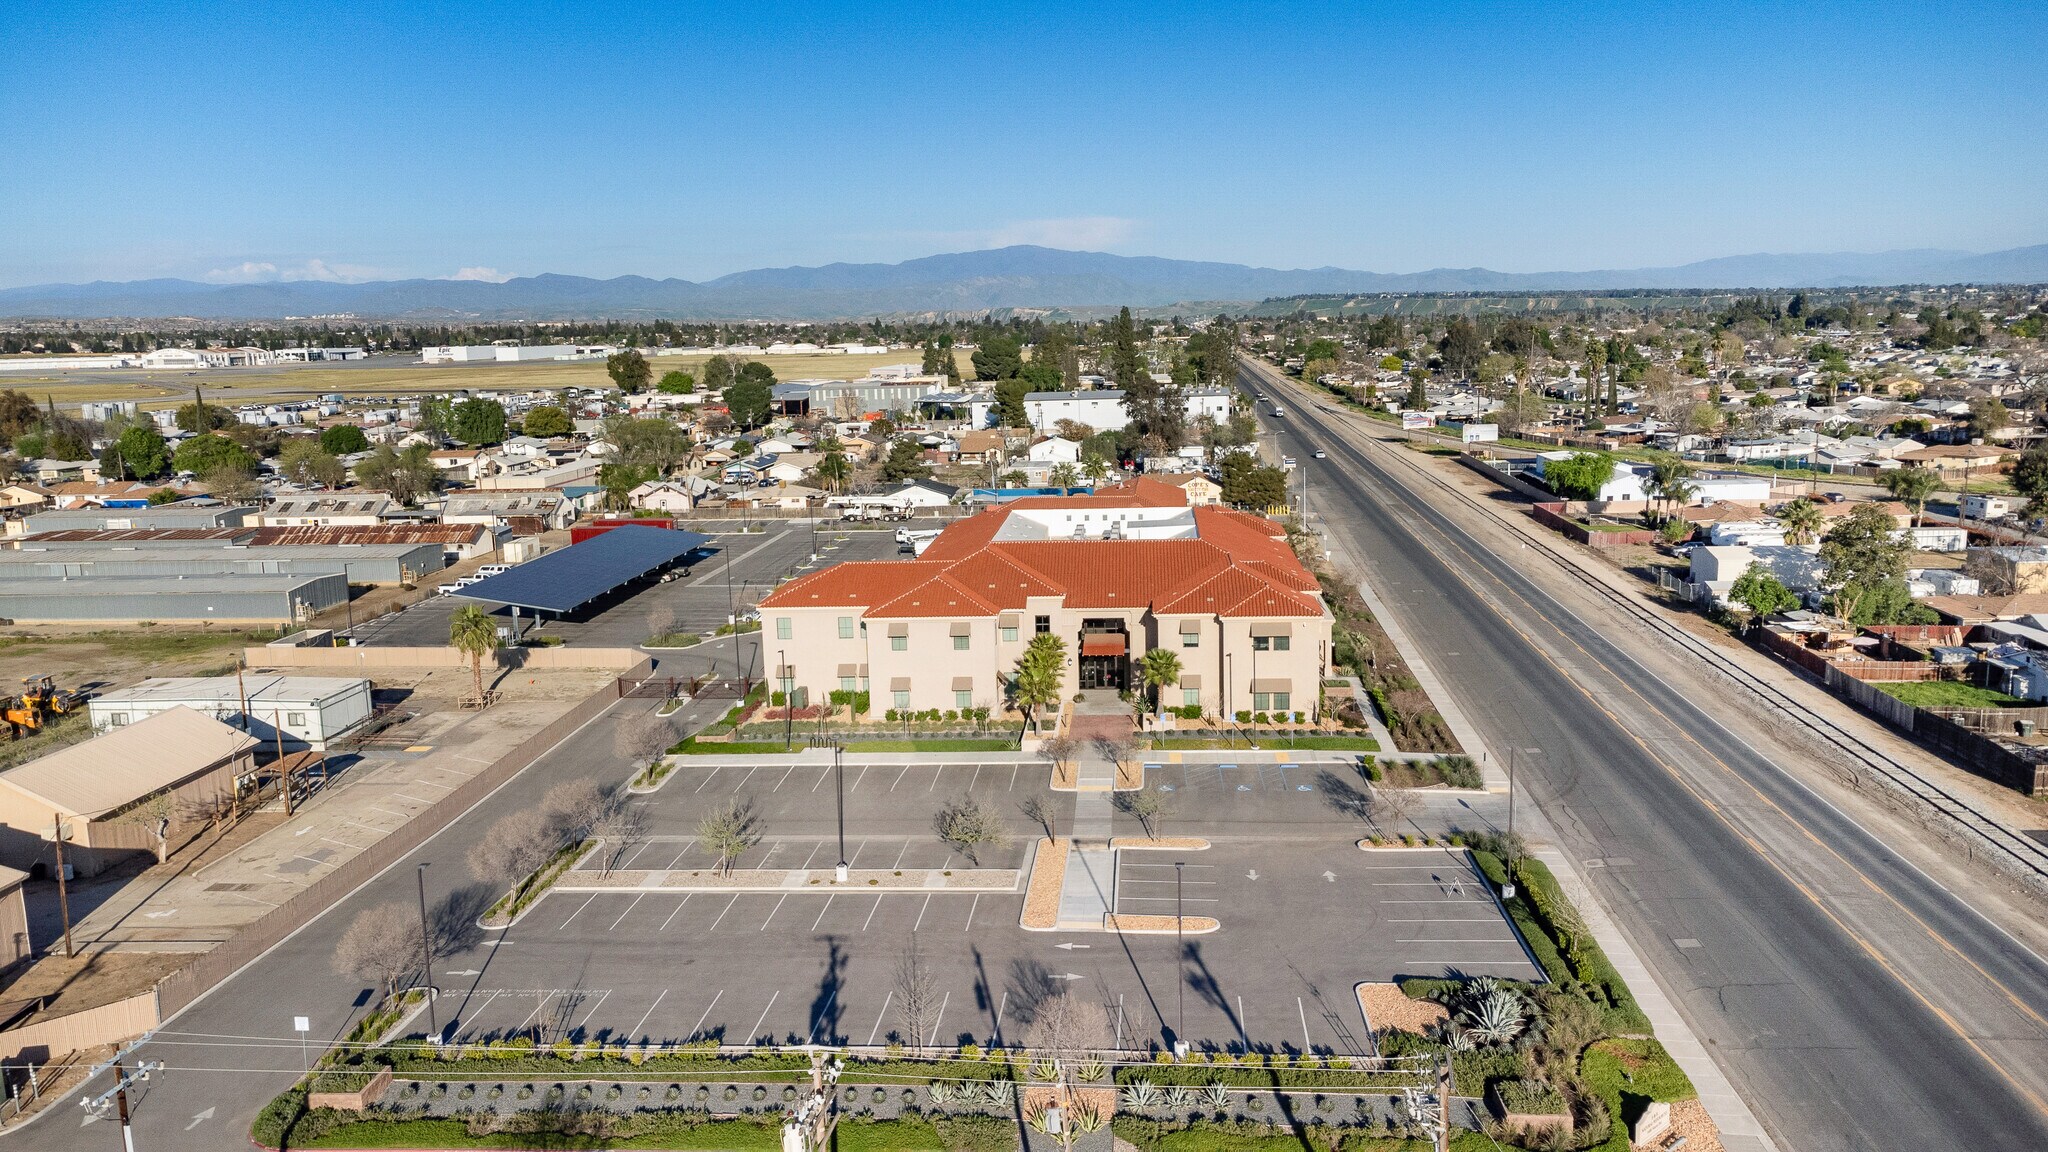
[{"x": 578, "y": 533}]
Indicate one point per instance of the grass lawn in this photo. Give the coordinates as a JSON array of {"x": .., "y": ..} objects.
[
  {"x": 1631, "y": 1074},
  {"x": 1947, "y": 694},
  {"x": 1281, "y": 743}
]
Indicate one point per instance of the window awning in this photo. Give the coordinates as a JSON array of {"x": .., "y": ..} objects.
[
  {"x": 899, "y": 629},
  {"x": 1272, "y": 685},
  {"x": 1191, "y": 681},
  {"x": 785, "y": 672},
  {"x": 846, "y": 670},
  {"x": 899, "y": 684},
  {"x": 963, "y": 683},
  {"x": 1103, "y": 644},
  {"x": 961, "y": 628},
  {"x": 1272, "y": 628},
  {"x": 1190, "y": 626},
  {"x": 1009, "y": 620}
]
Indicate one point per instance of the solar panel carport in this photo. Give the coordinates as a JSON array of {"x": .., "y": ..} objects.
[{"x": 565, "y": 580}]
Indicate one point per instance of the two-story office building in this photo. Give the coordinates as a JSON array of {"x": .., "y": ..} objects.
[{"x": 1114, "y": 575}]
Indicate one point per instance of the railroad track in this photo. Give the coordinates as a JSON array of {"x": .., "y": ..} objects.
[{"x": 2029, "y": 857}]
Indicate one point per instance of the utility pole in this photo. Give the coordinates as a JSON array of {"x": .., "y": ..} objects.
[
  {"x": 427, "y": 956},
  {"x": 63, "y": 896},
  {"x": 839, "y": 780},
  {"x": 97, "y": 1105},
  {"x": 1511, "y": 792},
  {"x": 1180, "y": 947},
  {"x": 284, "y": 775},
  {"x": 786, "y": 675}
]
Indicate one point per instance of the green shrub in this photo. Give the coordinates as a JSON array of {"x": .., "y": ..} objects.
[
  {"x": 275, "y": 1122},
  {"x": 976, "y": 1132},
  {"x": 1460, "y": 772},
  {"x": 1528, "y": 1096}
]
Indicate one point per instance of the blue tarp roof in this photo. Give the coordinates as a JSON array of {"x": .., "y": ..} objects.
[{"x": 567, "y": 579}]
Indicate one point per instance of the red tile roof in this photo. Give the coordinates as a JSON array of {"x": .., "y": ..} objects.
[{"x": 1236, "y": 565}]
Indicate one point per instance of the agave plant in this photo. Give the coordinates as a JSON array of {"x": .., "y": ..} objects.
[
  {"x": 1480, "y": 987},
  {"x": 998, "y": 1093},
  {"x": 1086, "y": 1117},
  {"x": 940, "y": 1091},
  {"x": 1039, "y": 1120},
  {"x": 1041, "y": 1071},
  {"x": 1216, "y": 1096},
  {"x": 1496, "y": 1019},
  {"x": 1179, "y": 1099},
  {"x": 1453, "y": 1037},
  {"x": 1089, "y": 1071},
  {"x": 1140, "y": 1095}
]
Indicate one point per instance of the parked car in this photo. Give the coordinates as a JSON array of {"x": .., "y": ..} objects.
[
  {"x": 446, "y": 589},
  {"x": 493, "y": 569},
  {"x": 1322, "y": 455}
]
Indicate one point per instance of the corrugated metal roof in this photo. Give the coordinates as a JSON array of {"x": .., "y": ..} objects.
[
  {"x": 268, "y": 688},
  {"x": 128, "y": 764}
]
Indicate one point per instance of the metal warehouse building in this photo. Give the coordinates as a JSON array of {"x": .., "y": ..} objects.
[
  {"x": 362, "y": 563},
  {"x": 311, "y": 711},
  {"x": 229, "y": 599},
  {"x": 179, "y": 515}
]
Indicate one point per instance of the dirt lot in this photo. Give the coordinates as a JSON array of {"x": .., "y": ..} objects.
[{"x": 399, "y": 375}]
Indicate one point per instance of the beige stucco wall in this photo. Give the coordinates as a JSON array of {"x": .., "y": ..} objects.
[{"x": 931, "y": 663}]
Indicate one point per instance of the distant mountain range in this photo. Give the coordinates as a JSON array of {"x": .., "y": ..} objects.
[{"x": 1023, "y": 277}]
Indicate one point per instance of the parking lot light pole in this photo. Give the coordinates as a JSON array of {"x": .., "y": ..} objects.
[
  {"x": 788, "y": 698},
  {"x": 839, "y": 780},
  {"x": 427, "y": 954},
  {"x": 1180, "y": 947}
]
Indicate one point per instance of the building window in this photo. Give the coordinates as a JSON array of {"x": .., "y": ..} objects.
[
  {"x": 1191, "y": 697},
  {"x": 1044, "y": 625},
  {"x": 846, "y": 627},
  {"x": 1191, "y": 639},
  {"x": 902, "y": 700},
  {"x": 1009, "y": 635},
  {"x": 117, "y": 719},
  {"x": 963, "y": 700},
  {"x": 959, "y": 643},
  {"x": 295, "y": 719},
  {"x": 782, "y": 627},
  {"x": 846, "y": 684},
  {"x": 1271, "y": 702},
  {"x": 1270, "y": 643},
  {"x": 899, "y": 643}
]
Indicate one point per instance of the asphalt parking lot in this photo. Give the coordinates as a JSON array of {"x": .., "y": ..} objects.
[
  {"x": 735, "y": 574},
  {"x": 1306, "y": 916}
]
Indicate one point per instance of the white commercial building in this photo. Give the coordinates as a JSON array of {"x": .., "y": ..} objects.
[
  {"x": 458, "y": 353},
  {"x": 1103, "y": 408},
  {"x": 311, "y": 711}
]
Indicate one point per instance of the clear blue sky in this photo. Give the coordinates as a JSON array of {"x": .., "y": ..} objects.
[{"x": 372, "y": 140}]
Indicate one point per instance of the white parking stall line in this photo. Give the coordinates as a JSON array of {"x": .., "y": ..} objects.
[
  {"x": 636, "y": 1033},
  {"x": 822, "y": 911},
  {"x": 822, "y": 777},
  {"x": 540, "y": 1001},
  {"x": 971, "y": 781},
  {"x": 714, "y": 772},
  {"x": 814, "y": 853},
  {"x": 856, "y": 852},
  {"x": 764, "y": 1016},
  {"x": 921, "y": 912},
  {"x": 899, "y": 778},
  {"x": 728, "y": 907},
  {"x": 627, "y": 912},
  {"x": 481, "y": 1007},
  {"x": 1014, "y": 769},
  {"x": 871, "y": 914},
  {"x": 1119, "y": 1020},
  {"x": 879, "y": 1017},
  {"x": 970, "y": 919},
  {"x": 784, "y": 780},
  {"x": 857, "y": 779},
  {"x": 579, "y": 910},
  {"x": 940, "y": 1014},
  {"x": 900, "y": 854},
  {"x": 707, "y": 1013},
  {"x": 1307, "y": 1046},
  {"x": 823, "y": 1011},
  {"x": 678, "y": 911},
  {"x": 1001, "y": 1007},
  {"x": 773, "y": 911},
  {"x": 687, "y": 845},
  {"x": 747, "y": 777}
]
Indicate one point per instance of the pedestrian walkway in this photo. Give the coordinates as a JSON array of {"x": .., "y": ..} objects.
[{"x": 1087, "y": 891}]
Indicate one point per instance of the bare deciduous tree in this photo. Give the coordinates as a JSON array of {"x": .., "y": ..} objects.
[
  {"x": 381, "y": 944},
  {"x": 1394, "y": 805},
  {"x": 661, "y": 622},
  {"x": 1116, "y": 751},
  {"x": 639, "y": 741},
  {"x": 1067, "y": 1029},
  {"x": 916, "y": 996},
  {"x": 621, "y": 826},
  {"x": 1039, "y": 811},
  {"x": 1149, "y": 808},
  {"x": 969, "y": 826},
  {"x": 515, "y": 846},
  {"x": 1059, "y": 750},
  {"x": 578, "y": 804},
  {"x": 728, "y": 832}
]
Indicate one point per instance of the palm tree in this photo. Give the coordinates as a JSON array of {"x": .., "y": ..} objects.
[
  {"x": 1665, "y": 475},
  {"x": 473, "y": 633},
  {"x": 1065, "y": 476},
  {"x": 1095, "y": 468},
  {"x": 1036, "y": 684},
  {"x": 1161, "y": 667},
  {"x": 1910, "y": 486},
  {"x": 833, "y": 469},
  {"x": 1802, "y": 520}
]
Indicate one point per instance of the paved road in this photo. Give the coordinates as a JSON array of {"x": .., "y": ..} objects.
[{"x": 1853, "y": 1001}]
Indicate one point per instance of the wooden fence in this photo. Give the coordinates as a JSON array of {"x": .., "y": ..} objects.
[
  {"x": 181, "y": 988},
  {"x": 1959, "y": 735},
  {"x": 370, "y": 659},
  {"x": 44, "y": 1040}
]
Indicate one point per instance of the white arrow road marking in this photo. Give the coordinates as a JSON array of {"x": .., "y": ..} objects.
[
  {"x": 162, "y": 914},
  {"x": 464, "y": 972},
  {"x": 1251, "y": 874},
  {"x": 1070, "y": 947},
  {"x": 1068, "y": 976},
  {"x": 1330, "y": 876},
  {"x": 199, "y": 1118}
]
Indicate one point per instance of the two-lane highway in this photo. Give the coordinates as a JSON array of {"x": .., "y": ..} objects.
[{"x": 1853, "y": 1001}]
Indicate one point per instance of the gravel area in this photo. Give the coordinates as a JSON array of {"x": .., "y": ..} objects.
[
  {"x": 1130, "y": 776},
  {"x": 1689, "y": 1119},
  {"x": 1042, "y": 896},
  {"x": 1387, "y": 1007},
  {"x": 1126, "y": 922}
]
